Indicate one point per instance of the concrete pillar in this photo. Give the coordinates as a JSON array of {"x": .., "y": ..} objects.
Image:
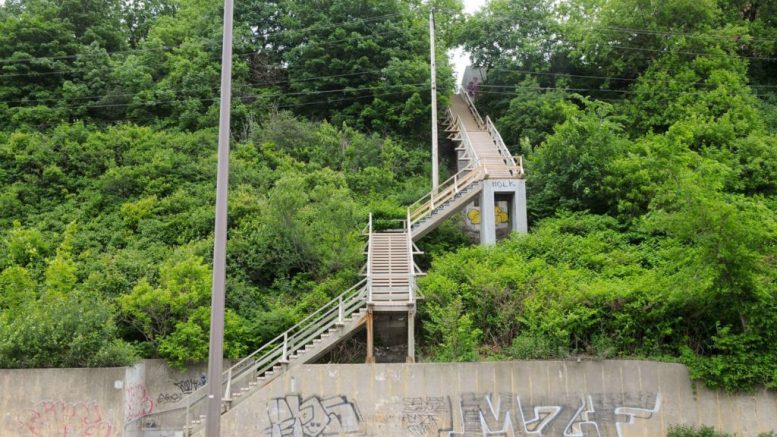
[
  {"x": 411, "y": 336},
  {"x": 370, "y": 338},
  {"x": 487, "y": 217},
  {"x": 518, "y": 218}
]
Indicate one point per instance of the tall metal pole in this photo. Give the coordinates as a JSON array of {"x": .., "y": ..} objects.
[
  {"x": 435, "y": 165},
  {"x": 216, "y": 351}
]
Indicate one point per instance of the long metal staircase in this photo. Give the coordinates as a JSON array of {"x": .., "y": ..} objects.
[
  {"x": 389, "y": 284},
  {"x": 482, "y": 155}
]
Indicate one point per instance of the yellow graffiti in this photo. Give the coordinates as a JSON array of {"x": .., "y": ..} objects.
[{"x": 499, "y": 216}]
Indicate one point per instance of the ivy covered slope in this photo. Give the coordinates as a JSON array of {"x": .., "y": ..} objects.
[
  {"x": 649, "y": 129},
  {"x": 652, "y": 183}
]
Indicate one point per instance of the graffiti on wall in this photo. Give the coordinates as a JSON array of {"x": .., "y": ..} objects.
[
  {"x": 138, "y": 403},
  {"x": 293, "y": 416},
  {"x": 188, "y": 385},
  {"x": 424, "y": 416},
  {"x": 501, "y": 216},
  {"x": 59, "y": 418},
  {"x": 185, "y": 386},
  {"x": 508, "y": 415}
]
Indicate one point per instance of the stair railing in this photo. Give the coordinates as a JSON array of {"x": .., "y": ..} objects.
[
  {"x": 471, "y": 151},
  {"x": 501, "y": 147},
  {"x": 411, "y": 263},
  {"x": 242, "y": 376},
  {"x": 369, "y": 261},
  {"x": 448, "y": 190},
  {"x": 473, "y": 109}
]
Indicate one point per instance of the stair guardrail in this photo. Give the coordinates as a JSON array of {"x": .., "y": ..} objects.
[
  {"x": 507, "y": 157},
  {"x": 473, "y": 109},
  {"x": 243, "y": 375},
  {"x": 448, "y": 190},
  {"x": 411, "y": 263},
  {"x": 369, "y": 261}
]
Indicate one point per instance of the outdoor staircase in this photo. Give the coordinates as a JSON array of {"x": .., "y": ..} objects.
[
  {"x": 391, "y": 270},
  {"x": 482, "y": 155},
  {"x": 389, "y": 284}
]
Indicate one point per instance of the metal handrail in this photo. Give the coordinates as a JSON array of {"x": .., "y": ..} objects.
[
  {"x": 369, "y": 261},
  {"x": 443, "y": 196},
  {"x": 411, "y": 263},
  {"x": 508, "y": 158},
  {"x": 453, "y": 180},
  {"x": 274, "y": 352},
  {"x": 473, "y": 109},
  {"x": 468, "y": 143},
  {"x": 500, "y": 144}
]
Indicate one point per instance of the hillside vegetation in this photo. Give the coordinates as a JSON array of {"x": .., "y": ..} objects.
[{"x": 649, "y": 129}]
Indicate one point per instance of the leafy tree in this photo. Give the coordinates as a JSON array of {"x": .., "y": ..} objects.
[
  {"x": 370, "y": 58},
  {"x": 568, "y": 170}
]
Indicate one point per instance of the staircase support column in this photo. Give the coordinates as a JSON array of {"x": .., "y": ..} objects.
[
  {"x": 487, "y": 217},
  {"x": 518, "y": 219},
  {"x": 411, "y": 336},
  {"x": 370, "y": 338}
]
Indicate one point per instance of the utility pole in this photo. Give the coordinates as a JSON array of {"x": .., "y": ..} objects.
[
  {"x": 216, "y": 350},
  {"x": 435, "y": 160}
]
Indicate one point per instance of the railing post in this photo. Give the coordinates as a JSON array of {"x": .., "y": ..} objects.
[
  {"x": 456, "y": 183},
  {"x": 340, "y": 312},
  {"x": 188, "y": 419},
  {"x": 228, "y": 391},
  {"x": 284, "y": 357}
]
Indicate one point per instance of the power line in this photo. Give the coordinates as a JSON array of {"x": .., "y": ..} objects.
[
  {"x": 292, "y": 93},
  {"x": 268, "y": 105},
  {"x": 588, "y": 76},
  {"x": 214, "y": 57},
  {"x": 513, "y": 94},
  {"x": 574, "y": 89},
  {"x": 670, "y": 51},
  {"x": 244, "y": 96},
  {"x": 686, "y": 34}
]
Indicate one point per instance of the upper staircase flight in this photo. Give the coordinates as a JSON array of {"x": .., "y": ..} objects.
[{"x": 482, "y": 154}]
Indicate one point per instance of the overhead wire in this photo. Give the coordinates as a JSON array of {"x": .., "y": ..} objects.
[
  {"x": 247, "y": 96},
  {"x": 579, "y": 89},
  {"x": 214, "y": 56},
  {"x": 607, "y": 78},
  {"x": 252, "y": 84}
]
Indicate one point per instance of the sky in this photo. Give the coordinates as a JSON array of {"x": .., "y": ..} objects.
[{"x": 458, "y": 56}]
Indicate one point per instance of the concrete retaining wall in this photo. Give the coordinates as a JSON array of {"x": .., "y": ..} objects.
[
  {"x": 534, "y": 398},
  {"x": 530, "y": 398},
  {"x": 89, "y": 402}
]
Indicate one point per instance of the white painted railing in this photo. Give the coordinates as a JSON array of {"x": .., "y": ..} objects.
[
  {"x": 448, "y": 189},
  {"x": 271, "y": 357},
  {"x": 515, "y": 168},
  {"x": 473, "y": 109},
  {"x": 369, "y": 261},
  {"x": 411, "y": 263}
]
